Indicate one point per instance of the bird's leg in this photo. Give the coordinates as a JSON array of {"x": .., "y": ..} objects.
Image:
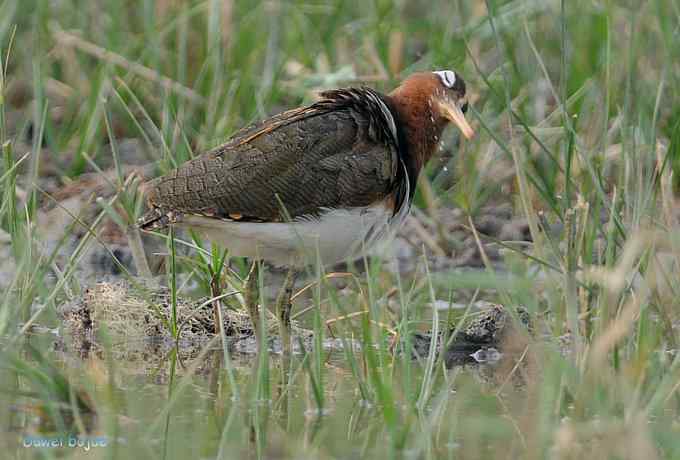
[
  {"x": 252, "y": 297},
  {"x": 214, "y": 293},
  {"x": 283, "y": 307}
]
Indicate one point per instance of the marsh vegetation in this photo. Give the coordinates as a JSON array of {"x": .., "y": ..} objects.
[{"x": 556, "y": 225}]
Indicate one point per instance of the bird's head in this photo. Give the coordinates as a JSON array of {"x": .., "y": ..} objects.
[
  {"x": 449, "y": 100},
  {"x": 438, "y": 96},
  {"x": 426, "y": 103}
]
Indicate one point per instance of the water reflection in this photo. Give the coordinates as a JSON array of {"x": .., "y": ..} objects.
[{"x": 163, "y": 398}]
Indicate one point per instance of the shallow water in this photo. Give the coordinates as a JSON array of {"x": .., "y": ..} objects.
[{"x": 307, "y": 405}]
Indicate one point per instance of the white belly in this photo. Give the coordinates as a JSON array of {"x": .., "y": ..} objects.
[{"x": 333, "y": 236}]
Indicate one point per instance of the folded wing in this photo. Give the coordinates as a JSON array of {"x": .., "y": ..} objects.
[{"x": 338, "y": 152}]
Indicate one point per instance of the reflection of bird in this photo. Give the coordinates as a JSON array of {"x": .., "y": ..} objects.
[{"x": 314, "y": 183}]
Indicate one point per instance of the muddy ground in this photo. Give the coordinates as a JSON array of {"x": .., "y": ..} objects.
[{"x": 137, "y": 318}]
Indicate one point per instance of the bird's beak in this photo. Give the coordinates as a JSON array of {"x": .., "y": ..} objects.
[{"x": 450, "y": 110}]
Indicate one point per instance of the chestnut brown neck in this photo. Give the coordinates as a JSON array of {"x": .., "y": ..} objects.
[{"x": 421, "y": 122}]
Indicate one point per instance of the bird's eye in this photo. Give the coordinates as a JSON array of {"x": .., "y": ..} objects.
[{"x": 447, "y": 77}]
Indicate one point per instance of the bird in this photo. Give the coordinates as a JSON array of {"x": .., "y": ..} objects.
[{"x": 315, "y": 184}]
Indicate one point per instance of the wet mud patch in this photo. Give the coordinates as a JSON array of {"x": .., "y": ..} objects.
[
  {"x": 496, "y": 346},
  {"x": 135, "y": 322},
  {"x": 484, "y": 338}
]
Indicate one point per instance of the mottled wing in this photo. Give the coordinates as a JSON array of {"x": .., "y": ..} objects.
[{"x": 339, "y": 152}]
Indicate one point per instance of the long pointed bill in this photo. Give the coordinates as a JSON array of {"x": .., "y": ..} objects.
[{"x": 452, "y": 112}]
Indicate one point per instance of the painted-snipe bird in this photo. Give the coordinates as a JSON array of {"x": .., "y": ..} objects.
[{"x": 316, "y": 183}]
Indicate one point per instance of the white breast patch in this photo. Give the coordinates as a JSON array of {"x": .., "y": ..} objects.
[{"x": 333, "y": 236}]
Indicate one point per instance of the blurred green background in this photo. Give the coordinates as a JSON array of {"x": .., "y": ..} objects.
[{"x": 576, "y": 108}]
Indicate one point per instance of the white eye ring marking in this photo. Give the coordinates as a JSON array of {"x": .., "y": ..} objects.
[{"x": 447, "y": 77}]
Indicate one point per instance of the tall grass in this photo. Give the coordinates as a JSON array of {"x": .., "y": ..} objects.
[{"x": 576, "y": 106}]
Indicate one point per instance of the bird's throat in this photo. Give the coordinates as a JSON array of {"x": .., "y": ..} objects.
[{"x": 422, "y": 127}]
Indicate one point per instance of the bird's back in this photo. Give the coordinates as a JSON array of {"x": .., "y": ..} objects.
[{"x": 335, "y": 153}]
